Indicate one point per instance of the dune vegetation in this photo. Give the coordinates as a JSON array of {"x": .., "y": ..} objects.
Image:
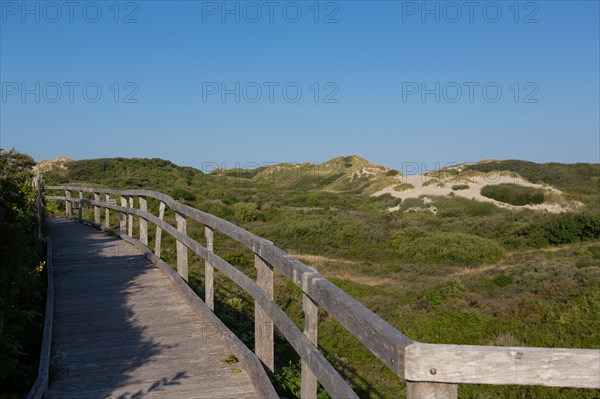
[{"x": 470, "y": 273}]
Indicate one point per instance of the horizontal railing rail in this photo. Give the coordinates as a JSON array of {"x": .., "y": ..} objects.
[{"x": 430, "y": 370}]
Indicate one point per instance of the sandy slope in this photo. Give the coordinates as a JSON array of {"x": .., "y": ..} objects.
[{"x": 476, "y": 182}]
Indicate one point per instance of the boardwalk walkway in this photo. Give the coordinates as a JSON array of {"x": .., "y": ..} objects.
[{"x": 122, "y": 330}]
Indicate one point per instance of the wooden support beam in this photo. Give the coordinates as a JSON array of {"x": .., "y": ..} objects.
[
  {"x": 130, "y": 219},
  {"x": 431, "y": 390},
  {"x": 143, "y": 222},
  {"x": 123, "y": 216},
  {"x": 68, "y": 205},
  {"x": 107, "y": 213},
  {"x": 309, "y": 383},
  {"x": 182, "y": 251},
  {"x": 158, "y": 236},
  {"x": 209, "y": 279},
  {"x": 80, "y": 210},
  {"x": 263, "y": 325},
  {"x": 96, "y": 209}
]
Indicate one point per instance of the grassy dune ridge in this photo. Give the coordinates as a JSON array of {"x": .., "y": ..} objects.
[{"x": 472, "y": 273}]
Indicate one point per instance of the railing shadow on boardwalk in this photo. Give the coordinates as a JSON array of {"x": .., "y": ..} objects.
[{"x": 97, "y": 293}]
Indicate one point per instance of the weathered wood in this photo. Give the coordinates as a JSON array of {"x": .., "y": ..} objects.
[
  {"x": 182, "y": 255},
  {"x": 123, "y": 215},
  {"x": 130, "y": 219},
  {"x": 209, "y": 270},
  {"x": 158, "y": 235},
  {"x": 264, "y": 344},
  {"x": 308, "y": 384},
  {"x": 68, "y": 205},
  {"x": 150, "y": 341},
  {"x": 431, "y": 390},
  {"x": 333, "y": 383},
  {"x": 143, "y": 222},
  {"x": 80, "y": 210},
  {"x": 107, "y": 212},
  {"x": 97, "y": 208},
  {"x": 578, "y": 368},
  {"x": 41, "y": 383},
  {"x": 387, "y": 343}
]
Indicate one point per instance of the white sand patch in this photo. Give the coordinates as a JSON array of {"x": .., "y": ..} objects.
[{"x": 443, "y": 187}]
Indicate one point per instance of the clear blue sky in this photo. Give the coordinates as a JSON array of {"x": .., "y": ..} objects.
[{"x": 373, "y": 59}]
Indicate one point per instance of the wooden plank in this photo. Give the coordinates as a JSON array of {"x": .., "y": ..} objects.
[
  {"x": 578, "y": 368},
  {"x": 130, "y": 219},
  {"x": 143, "y": 222},
  {"x": 333, "y": 383},
  {"x": 107, "y": 212},
  {"x": 264, "y": 344},
  {"x": 123, "y": 215},
  {"x": 120, "y": 338},
  {"x": 182, "y": 255},
  {"x": 158, "y": 236},
  {"x": 209, "y": 270},
  {"x": 308, "y": 383},
  {"x": 97, "y": 208},
  {"x": 68, "y": 205},
  {"x": 431, "y": 390}
]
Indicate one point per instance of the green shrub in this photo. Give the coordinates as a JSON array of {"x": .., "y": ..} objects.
[
  {"x": 457, "y": 187},
  {"x": 572, "y": 227},
  {"x": 448, "y": 248},
  {"x": 245, "y": 211},
  {"x": 182, "y": 194},
  {"x": 403, "y": 187},
  {"x": 513, "y": 194},
  {"x": 22, "y": 282},
  {"x": 560, "y": 229},
  {"x": 391, "y": 173}
]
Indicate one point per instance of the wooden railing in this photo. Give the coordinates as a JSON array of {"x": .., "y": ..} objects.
[{"x": 431, "y": 371}]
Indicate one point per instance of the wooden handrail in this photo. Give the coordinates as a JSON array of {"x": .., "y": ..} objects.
[{"x": 430, "y": 370}]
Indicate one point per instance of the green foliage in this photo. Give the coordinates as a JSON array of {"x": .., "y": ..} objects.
[
  {"x": 573, "y": 178},
  {"x": 22, "y": 288},
  {"x": 391, "y": 173},
  {"x": 458, "y": 187},
  {"x": 406, "y": 267},
  {"x": 245, "y": 212},
  {"x": 404, "y": 187},
  {"x": 182, "y": 194},
  {"x": 449, "y": 248},
  {"x": 513, "y": 194}
]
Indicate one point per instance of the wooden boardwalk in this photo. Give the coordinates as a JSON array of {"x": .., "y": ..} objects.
[{"x": 122, "y": 329}]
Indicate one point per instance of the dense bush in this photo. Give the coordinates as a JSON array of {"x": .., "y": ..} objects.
[
  {"x": 245, "y": 212},
  {"x": 513, "y": 194},
  {"x": 446, "y": 248},
  {"x": 22, "y": 287},
  {"x": 562, "y": 229},
  {"x": 457, "y": 187}
]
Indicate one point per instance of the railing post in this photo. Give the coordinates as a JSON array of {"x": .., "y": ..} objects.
[
  {"x": 158, "y": 236},
  {"x": 209, "y": 271},
  {"x": 107, "y": 212},
  {"x": 431, "y": 390},
  {"x": 96, "y": 209},
  {"x": 182, "y": 255},
  {"x": 80, "y": 205},
  {"x": 264, "y": 345},
  {"x": 123, "y": 216},
  {"x": 143, "y": 222},
  {"x": 308, "y": 385},
  {"x": 130, "y": 219},
  {"x": 68, "y": 204}
]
